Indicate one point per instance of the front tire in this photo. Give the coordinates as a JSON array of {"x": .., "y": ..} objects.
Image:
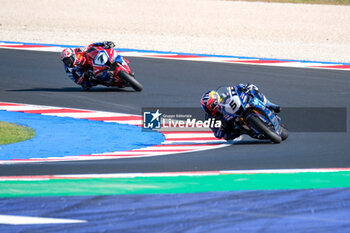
[
  {"x": 284, "y": 133},
  {"x": 261, "y": 127},
  {"x": 131, "y": 80}
]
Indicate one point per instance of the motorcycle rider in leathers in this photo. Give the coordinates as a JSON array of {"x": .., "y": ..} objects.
[
  {"x": 212, "y": 104},
  {"x": 78, "y": 64}
]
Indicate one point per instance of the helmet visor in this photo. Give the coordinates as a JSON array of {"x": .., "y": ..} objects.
[{"x": 69, "y": 61}]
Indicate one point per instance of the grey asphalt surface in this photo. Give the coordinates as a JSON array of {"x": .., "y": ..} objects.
[{"x": 39, "y": 78}]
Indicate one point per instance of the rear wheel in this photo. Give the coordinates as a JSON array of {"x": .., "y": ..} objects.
[
  {"x": 262, "y": 128},
  {"x": 130, "y": 80}
]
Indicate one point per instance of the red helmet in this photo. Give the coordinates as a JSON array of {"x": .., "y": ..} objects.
[
  {"x": 68, "y": 57},
  {"x": 210, "y": 102}
]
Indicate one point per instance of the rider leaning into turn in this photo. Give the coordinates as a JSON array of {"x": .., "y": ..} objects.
[
  {"x": 214, "y": 107},
  {"x": 77, "y": 64}
]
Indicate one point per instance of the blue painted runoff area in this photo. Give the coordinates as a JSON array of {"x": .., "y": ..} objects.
[
  {"x": 65, "y": 136},
  {"x": 179, "y": 53},
  {"x": 309, "y": 210}
]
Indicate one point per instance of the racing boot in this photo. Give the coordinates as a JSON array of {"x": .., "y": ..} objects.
[
  {"x": 93, "y": 80},
  {"x": 232, "y": 135},
  {"x": 86, "y": 85},
  {"x": 106, "y": 80}
]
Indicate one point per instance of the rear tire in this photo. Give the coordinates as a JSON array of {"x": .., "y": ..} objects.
[
  {"x": 261, "y": 127},
  {"x": 131, "y": 80}
]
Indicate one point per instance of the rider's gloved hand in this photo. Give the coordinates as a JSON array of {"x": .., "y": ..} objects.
[
  {"x": 251, "y": 87},
  {"x": 109, "y": 44},
  {"x": 277, "y": 109}
]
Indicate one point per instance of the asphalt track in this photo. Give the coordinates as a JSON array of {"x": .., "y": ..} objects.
[{"x": 38, "y": 78}]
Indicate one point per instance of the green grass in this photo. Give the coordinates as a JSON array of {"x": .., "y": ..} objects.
[
  {"x": 328, "y": 2},
  {"x": 11, "y": 133}
]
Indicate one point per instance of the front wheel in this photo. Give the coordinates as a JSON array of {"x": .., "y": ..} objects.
[
  {"x": 261, "y": 127},
  {"x": 284, "y": 133},
  {"x": 131, "y": 80}
]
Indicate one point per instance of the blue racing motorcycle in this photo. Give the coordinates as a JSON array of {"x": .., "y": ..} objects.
[{"x": 251, "y": 114}]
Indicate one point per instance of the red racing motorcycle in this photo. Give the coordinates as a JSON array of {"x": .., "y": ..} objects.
[{"x": 111, "y": 69}]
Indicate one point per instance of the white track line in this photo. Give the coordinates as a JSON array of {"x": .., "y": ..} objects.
[{"x": 24, "y": 220}]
